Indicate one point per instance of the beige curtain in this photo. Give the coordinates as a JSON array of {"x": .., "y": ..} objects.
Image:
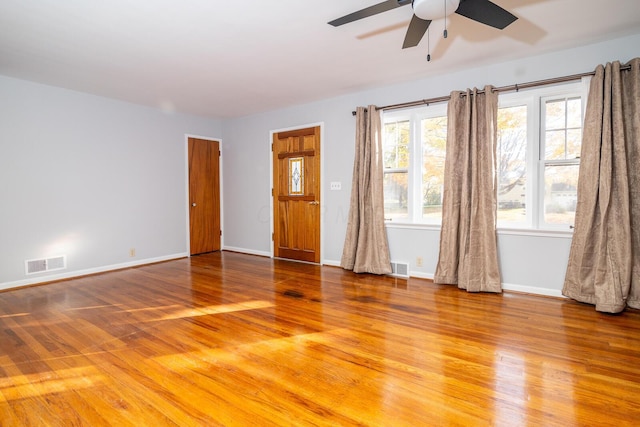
[
  {"x": 604, "y": 261},
  {"x": 366, "y": 249},
  {"x": 468, "y": 243}
]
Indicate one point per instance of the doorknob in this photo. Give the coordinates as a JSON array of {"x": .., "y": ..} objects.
[
  {"x": 315, "y": 202},
  {"x": 194, "y": 204}
]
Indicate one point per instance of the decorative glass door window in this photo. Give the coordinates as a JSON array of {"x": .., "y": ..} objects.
[{"x": 296, "y": 176}]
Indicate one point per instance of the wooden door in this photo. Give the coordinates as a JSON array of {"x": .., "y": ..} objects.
[
  {"x": 204, "y": 195},
  {"x": 296, "y": 193}
]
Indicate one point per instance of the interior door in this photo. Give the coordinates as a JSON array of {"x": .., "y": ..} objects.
[
  {"x": 204, "y": 195},
  {"x": 296, "y": 193}
]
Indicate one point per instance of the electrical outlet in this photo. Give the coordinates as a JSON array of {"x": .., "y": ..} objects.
[
  {"x": 132, "y": 252},
  {"x": 419, "y": 261}
]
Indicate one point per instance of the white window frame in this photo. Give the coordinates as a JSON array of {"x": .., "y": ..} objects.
[
  {"x": 543, "y": 163},
  {"x": 535, "y": 99},
  {"x": 394, "y": 119},
  {"x": 517, "y": 99},
  {"x": 414, "y": 181},
  {"x": 534, "y": 189}
]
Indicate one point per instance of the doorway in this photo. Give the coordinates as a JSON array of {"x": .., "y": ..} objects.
[{"x": 296, "y": 194}]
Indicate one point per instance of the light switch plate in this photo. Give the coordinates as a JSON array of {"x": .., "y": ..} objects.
[{"x": 336, "y": 186}]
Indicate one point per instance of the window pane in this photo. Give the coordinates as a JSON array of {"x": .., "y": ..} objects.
[
  {"x": 512, "y": 163},
  {"x": 574, "y": 113},
  {"x": 560, "y": 193},
  {"x": 296, "y": 176},
  {"x": 396, "y": 145},
  {"x": 555, "y": 114},
  {"x": 563, "y": 132},
  {"x": 555, "y": 145},
  {"x": 434, "y": 144},
  {"x": 574, "y": 143},
  {"x": 395, "y": 195}
]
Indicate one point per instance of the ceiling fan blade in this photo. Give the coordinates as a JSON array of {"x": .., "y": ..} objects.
[
  {"x": 486, "y": 12},
  {"x": 369, "y": 11},
  {"x": 415, "y": 32}
]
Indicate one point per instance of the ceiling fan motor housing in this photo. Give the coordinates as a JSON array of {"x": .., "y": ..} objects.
[{"x": 430, "y": 10}]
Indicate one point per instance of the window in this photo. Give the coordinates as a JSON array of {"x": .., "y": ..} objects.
[
  {"x": 414, "y": 152},
  {"x": 434, "y": 145},
  {"x": 511, "y": 156},
  {"x": 562, "y": 137},
  {"x": 538, "y": 155},
  {"x": 396, "y": 168}
]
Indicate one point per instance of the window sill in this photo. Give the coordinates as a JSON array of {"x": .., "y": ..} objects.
[
  {"x": 412, "y": 225},
  {"x": 561, "y": 234},
  {"x": 556, "y": 233}
]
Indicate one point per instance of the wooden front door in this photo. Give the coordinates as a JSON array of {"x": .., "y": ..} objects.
[
  {"x": 296, "y": 194},
  {"x": 204, "y": 195}
]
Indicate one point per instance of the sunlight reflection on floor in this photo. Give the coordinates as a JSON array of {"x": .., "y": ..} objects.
[
  {"x": 217, "y": 309},
  {"x": 22, "y": 386}
]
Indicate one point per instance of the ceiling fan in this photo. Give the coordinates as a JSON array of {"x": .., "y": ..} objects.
[{"x": 425, "y": 11}]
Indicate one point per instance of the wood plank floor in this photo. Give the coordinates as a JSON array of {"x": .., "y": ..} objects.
[{"x": 239, "y": 340}]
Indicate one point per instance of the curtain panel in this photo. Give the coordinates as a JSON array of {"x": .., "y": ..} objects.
[
  {"x": 366, "y": 249},
  {"x": 468, "y": 242},
  {"x": 604, "y": 260}
]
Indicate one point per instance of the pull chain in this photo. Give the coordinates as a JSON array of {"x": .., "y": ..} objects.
[
  {"x": 445, "y": 19},
  {"x": 428, "y": 45}
]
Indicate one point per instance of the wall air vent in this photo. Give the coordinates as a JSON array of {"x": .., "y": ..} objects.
[
  {"x": 399, "y": 269},
  {"x": 33, "y": 266}
]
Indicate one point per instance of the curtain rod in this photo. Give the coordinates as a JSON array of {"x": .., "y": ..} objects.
[{"x": 509, "y": 88}]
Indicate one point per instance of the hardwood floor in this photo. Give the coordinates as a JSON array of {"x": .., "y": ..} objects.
[{"x": 232, "y": 339}]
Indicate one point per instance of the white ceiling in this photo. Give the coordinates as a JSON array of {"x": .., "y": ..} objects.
[{"x": 237, "y": 57}]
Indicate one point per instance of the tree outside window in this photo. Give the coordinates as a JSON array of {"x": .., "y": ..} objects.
[
  {"x": 562, "y": 142},
  {"x": 396, "y": 167},
  {"x": 539, "y": 134},
  {"x": 511, "y": 155}
]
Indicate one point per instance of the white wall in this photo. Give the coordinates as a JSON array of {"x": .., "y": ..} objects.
[
  {"x": 529, "y": 262},
  {"x": 89, "y": 178}
]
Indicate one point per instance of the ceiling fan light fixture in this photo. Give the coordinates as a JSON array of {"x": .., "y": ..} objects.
[{"x": 430, "y": 10}]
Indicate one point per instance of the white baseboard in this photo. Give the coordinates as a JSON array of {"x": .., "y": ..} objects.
[
  {"x": 535, "y": 290},
  {"x": 331, "y": 263},
  {"x": 420, "y": 275},
  {"x": 246, "y": 251},
  {"x": 88, "y": 271},
  {"x": 505, "y": 286}
]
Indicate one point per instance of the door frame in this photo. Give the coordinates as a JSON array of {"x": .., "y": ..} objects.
[
  {"x": 322, "y": 198},
  {"x": 187, "y": 202}
]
